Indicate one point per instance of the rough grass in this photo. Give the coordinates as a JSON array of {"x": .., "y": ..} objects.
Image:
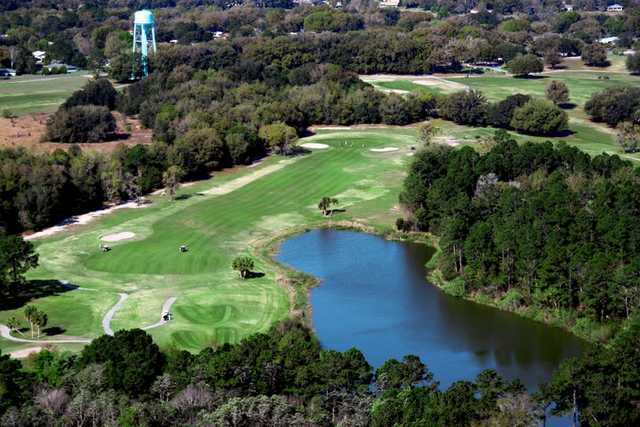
[
  {"x": 36, "y": 93},
  {"x": 214, "y": 305}
]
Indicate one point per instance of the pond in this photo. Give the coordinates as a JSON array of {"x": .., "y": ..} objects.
[{"x": 374, "y": 296}]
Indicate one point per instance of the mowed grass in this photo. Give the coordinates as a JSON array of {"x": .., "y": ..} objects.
[
  {"x": 593, "y": 138},
  {"x": 37, "y": 93},
  {"x": 213, "y": 304}
]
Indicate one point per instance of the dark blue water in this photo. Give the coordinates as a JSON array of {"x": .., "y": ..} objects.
[{"x": 374, "y": 296}]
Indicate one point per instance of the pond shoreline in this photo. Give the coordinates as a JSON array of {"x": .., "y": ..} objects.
[{"x": 299, "y": 284}]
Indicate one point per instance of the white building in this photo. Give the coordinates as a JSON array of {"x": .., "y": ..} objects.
[
  {"x": 615, "y": 8},
  {"x": 389, "y": 3}
]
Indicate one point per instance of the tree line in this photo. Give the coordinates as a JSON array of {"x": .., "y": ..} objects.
[
  {"x": 542, "y": 226},
  {"x": 284, "y": 378}
]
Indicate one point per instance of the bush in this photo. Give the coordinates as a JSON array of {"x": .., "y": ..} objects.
[
  {"x": 595, "y": 55},
  {"x": 539, "y": 117},
  {"x": 557, "y": 92},
  {"x": 96, "y": 92},
  {"x": 633, "y": 63},
  {"x": 501, "y": 113},
  {"x": 523, "y": 65},
  {"x": 86, "y": 123},
  {"x": 613, "y": 105},
  {"x": 465, "y": 108}
]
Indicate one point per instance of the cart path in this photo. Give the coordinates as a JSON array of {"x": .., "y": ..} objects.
[
  {"x": 166, "y": 308},
  {"x": 106, "y": 320},
  {"x": 5, "y": 332}
]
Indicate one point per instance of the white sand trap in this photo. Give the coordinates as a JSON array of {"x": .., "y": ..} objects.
[
  {"x": 314, "y": 146},
  {"x": 410, "y": 154},
  {"x": 384, "y": 150},
  {"x": 81, "y": 220},
  {"x": 116, "y": 237}
]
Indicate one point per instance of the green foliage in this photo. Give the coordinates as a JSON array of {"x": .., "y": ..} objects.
[
  {"x": 557, "y": 92},
  {"x": 628, "y": 136},
  {"x": 614, "y": 105},
  {"x": 280, "y": 137},
  {"x": 539, "y": 117},
  {"x": 500, "y": 114},
  {"x": 95, "y": 92},
  {"x": 17, "y": 256},
  {"x": 325, "y": 205},
  {"x": 523, "y": 65},
  {"x": 131, "y": 360},
  {"x": 491, "y": 211},
  {"x": 595, "y": 54},
  {"x": 602, "y": 384},
  {"x": 331, "y": 20},
  {"x": 466, "y": 107},
  {"x": 171, "y": 180},
  {"x": 633, "y": 63},
  {"x": 81, "y": 124},
  {"x": 243, "y": 265}
]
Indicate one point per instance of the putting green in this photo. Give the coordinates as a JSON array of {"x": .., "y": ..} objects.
[{"x": 249, "y": 205}]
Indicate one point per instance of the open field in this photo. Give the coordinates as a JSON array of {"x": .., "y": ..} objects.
[
  {"x": 218, "y": 219},
  {"x": 35, "y": 93},
  {"x": 594, "y": 138}
]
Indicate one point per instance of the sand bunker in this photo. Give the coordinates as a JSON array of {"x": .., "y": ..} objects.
[
  {"x": 116, "y": 237},
  {"x": 314, "y": 146},
  {"x": 384, "y": 150}
]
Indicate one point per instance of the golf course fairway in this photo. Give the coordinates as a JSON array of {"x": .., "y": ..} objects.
[{"x": 77, "y": 283}]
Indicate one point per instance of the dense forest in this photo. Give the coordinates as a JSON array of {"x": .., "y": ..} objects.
[
  {"x": 548, "y": 226},
  {"x": 284, "y": 378}
]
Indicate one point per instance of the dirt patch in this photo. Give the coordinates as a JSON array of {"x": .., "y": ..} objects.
[
  {"x": 446, "y": 140},
  {"x": 314, "y": 146},
  {"x": 27, "y": 132},
  {"x": 21, "y": 354},
  {"x": 116, "y": 237}
]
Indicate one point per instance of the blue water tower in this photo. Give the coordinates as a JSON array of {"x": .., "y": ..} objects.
[{"x": 144, "y": 37}]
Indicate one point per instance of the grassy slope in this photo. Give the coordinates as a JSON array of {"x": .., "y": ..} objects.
[
  {"x": 36, "y": 93},
  {"x": 213, "y": 304}
]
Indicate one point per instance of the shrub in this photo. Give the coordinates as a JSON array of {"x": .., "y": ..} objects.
[
  {"x": 501, "y": 113},
  {"x": 465, "y": 108},
  {"x": 523, "y": 65},
  {"x": 633, "y": 63},
  {"x": 86, "y": 123},
  {"x": 595, "y": 55},
  {"x": 557, "y": 92},
  {"x": 539, "y": 117},
  {"x": 96, "y": 92},
  {"x": 613, "y": 105}
]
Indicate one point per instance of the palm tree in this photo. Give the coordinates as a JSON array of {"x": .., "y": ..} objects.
[
  {"x": 30, "y": 313},
  {"x": 13, "y": 324},
  {"x": 243, "y": 264},
  {"x": 40, "y": 321},
  {"x": 325, "y": 205}
]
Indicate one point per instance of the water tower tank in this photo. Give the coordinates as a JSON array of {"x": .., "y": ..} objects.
[
  {"x": 144, "y": 38},
  {"x": 143, "y": 17}
]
